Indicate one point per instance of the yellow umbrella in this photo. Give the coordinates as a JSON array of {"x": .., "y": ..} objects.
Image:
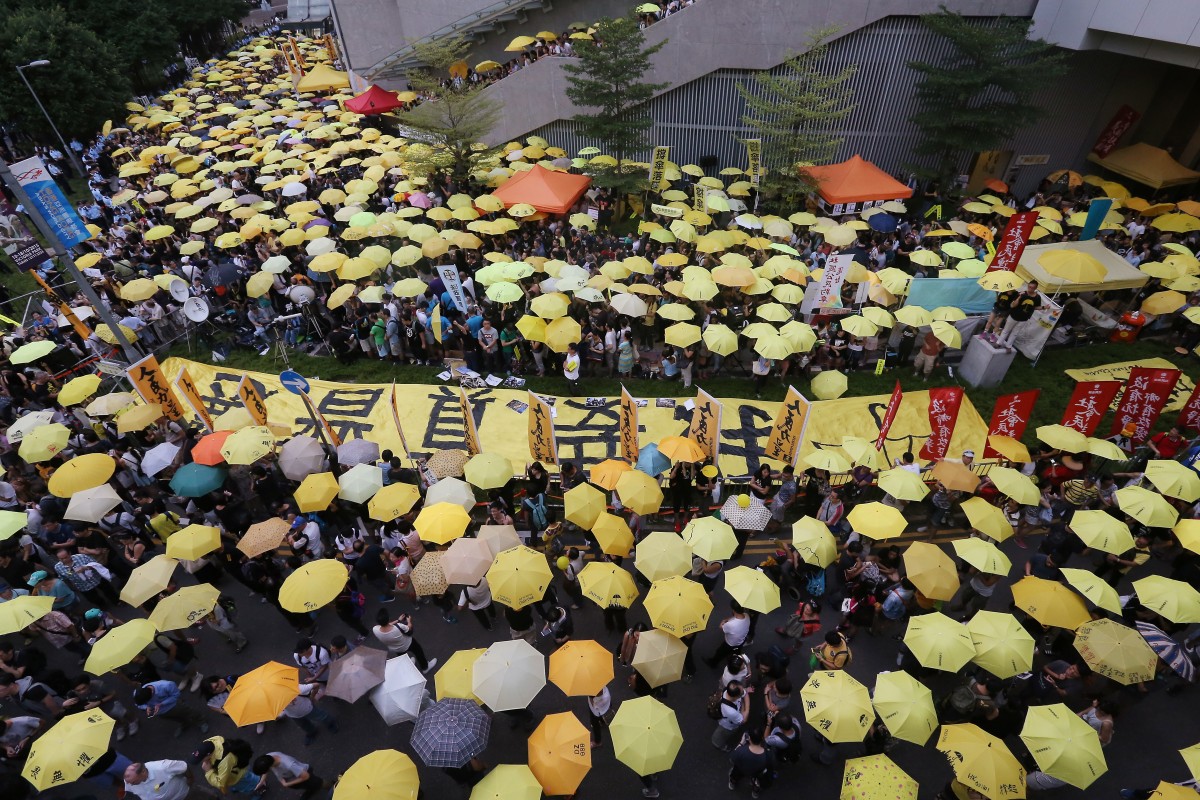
[
  {"x": 955, "y": 476},
  {"x": 488, "y": 471},
  {"x": 148, "y": 580},
  {"x": 66, "y": 751},
  {"x": 659, "y": 657},
  {"x": 139, "y": 289},
  {"x": 1074, "y": 266},
  {"x": 1163, "y": 303},
  {"x": 509, "y": 675},
  {"x": 877, "y": 521},
  {"x": 876, "y": 778},
  {"x": 394, "y": 500},
  {"x": 1015, "y": 485},
  {"x": 193, "y": 542},
  {"x": 248, "y": 445},
  {"x": 1171, "y": 791},
  {"x": 987, "y": 519},
  {"x": 1147, "y": 507},
  {"x": 313, "y": 585},
  {"x": 1002, "y": 646},
  {"x": 262, "y": 537},
  {"x": 981, "y": 761},
  {"x": 508, "y": 782},
  {"x": 613, "y": 535},
  {"x": 828, "y": 460},
  {"x": 1093, "y": 588},
  {"x": 645, "y": 735},
  {"x": 581, "y": 668},
  {"x": 939, "y": 642},
  {"x": 1191, "y": 756},
  {"x": 930, "y": 570},
  {"x": 1062, "y": 438},
  {"x": 560, "y": 754},
  {"x": 753, "y": 589},
  {"x": 1187, "y": 530},
  {"x": 640, "y": 492},
  {"x": 608, "y": 472},
  {"x": 1169, "y": 598},
  {"x": 23, "y": 610},
  {"x": 681, "y": 448},
  {"x": 519, "y": 576},
  {"x": 78, "y": 389},
  {"x": 902, "y": 484},
  {"x": 829, "y": 385},
  {"x": 720, "y": 339},
  {"x": 1063, "y": 745},
  {"x": 44, "y": 443},
  {"x": 33, "y": 351},
  {"x": 316, "y": 492},
  {"x": 678, "y": 606},
  {"x": 108, "y": 404},
  {"x": 455, "y": 676},
  {"x": 1050, "y": 603},
  {"x": 381, "y": 775},
  {"x": 442, "y": 523},
  {"x": 837, "y": 705},
  {"x": 606, "y": 584},
  {"x": 1101, "y": 530},
  {"x": 138, "y": 417},
  {"x": 1173, "y": 479},
  {"x": 814, "y": 542},
  {"x": 1010, "y": 448},
  {"x": 118, "y": 647},
  {"x": 185, "y": 607},
  {"x": 662, "y": 554},
  {"x": 710, "y": 538},
  {"x": 583, "y": 505},
  {"x": 1116, "y": 651},
  {"x": 562, "y": 332},
  {"x": 906, "y": 706},
  {"x": 82, "y": 473},
  {"x": 261, "y": 694},
  {"x": 914, "y": 316}
]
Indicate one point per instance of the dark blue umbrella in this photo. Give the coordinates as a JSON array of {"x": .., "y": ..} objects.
[
  {"x": 451, "y": 732},
  {"x": 197, "y": 480},
  {"x": 884, "y": 223}
]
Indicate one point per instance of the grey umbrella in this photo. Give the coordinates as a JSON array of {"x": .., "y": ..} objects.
[
  {"x": 451, "y": 732},
  {"x": 352, "y": 676}
]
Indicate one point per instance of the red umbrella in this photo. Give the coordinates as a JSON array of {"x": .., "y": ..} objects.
[{"x": 208, "y": 450}]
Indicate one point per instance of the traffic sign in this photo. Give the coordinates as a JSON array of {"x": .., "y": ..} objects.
[{"x": 294, "y": 382}]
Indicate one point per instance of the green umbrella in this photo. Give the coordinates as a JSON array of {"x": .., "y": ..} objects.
[{"x": 197, "y": 480}]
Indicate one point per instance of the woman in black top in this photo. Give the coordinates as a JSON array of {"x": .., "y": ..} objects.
[
  {"x": 681, "y": 492},
  {"x": 760, "y": 484}
]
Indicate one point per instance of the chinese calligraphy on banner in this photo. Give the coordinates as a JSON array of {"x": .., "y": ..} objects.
[
  {"x": 658, "y": 166},
  {"x": 1088, "y": 405},
  {"x": 191, "y": 395},
  {"x": 49, "y": 200},
  {"x": 706, "y": 424},
  {"x": 1190, "y": 418},
  {"x": 1122, "y": 121},
  {"x": 470, "y": 433},
  {"x": 829, "y": 293},
  {"x": 252, "y": 401},
  {"x": 148, "y": 378},
  {"x": 889, "y": 416},
  {"x": 943, "y": 414},
  {"x": 754, "y": 161},
  {"x": 788, "y": 430},
  {"x": 1010, "y": 416},
  {"x": 542, "y": 446},
  {"x": 629, "y": 427},
  {"x": 1012, "y": 241},
  {"x": 1146, "y": 393},
  {"x": 21, "y": 245}
]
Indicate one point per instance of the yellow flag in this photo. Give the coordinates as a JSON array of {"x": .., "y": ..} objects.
[
  {"x": 190, "y": 393},
  {"x": 542, "y": 446},
  {"x": 629, "y": 427},
  {"x": 148, "y": 378},
  {"x": 706, "y": 424},
  {"x": 788, "y": 431},
  {"x": 252, "y": 401},
  {"x": 471, "y": 434}
]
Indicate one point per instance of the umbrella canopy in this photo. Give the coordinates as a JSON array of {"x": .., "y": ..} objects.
[
  {"x": 184, "y": 608},
  {"x": 22, "y": 611},
  {"x": 581, "y": 668},
  {"x": 710, "y": 538},
  {"x": 1093, "y": 588},
  {"x": 955, "y": 476},
  {"x": 837, "y": 705},
  {"x": 360, "y": 483},
  {"x": 981, "y": 761},
  {"x": 499, "y": 538},
  {"x": 466, "y": 561},
  {"x": 316, "y": 492},
  {"x": 197, "y": 480},
  {"x": 488, "y": 471},
  {"x": 681, "y": 448},
  {"x": 508, "y": 782},
  {"x": 1147, "y": 507},
  {"x": 381, "y": 775},
  {"x": 81, "y": 473},
  {"x": 455, "y": 677},
  {"x": 903, "y": 485},
  {"x": 650, "y": 461},
  {"x": 678, "y": 606},
  {"x": 878, "y": 521},
  {"x": 987, "y": 519},
  {"x": 450, "y": 733},
  {"x": 906, "y": 706},
  {"x": 1174, "y": 479},
  {"x": 662, "y": 554},
  {"x": 583, "y": 505},
  {"x": 1002, "y": 646},
  {"x": 44, "y": 443},
  {"x": 314, "y": 585},
  {"x": 606, "y": 473},
  {"x": 559, "y": 753},
  {"x": 300, "y": 457},
  {"x": 1015, "y": 485},
  {"x": 1169, "y": 598},
  {"x": 931, "y": 570},
  {"x": 208, "y": 450},
  {"x": 451, "y": 490},
  {"x": 448, "y": 463},
  {"x": 261, "y": 694},
  {"x": 441, "y": 523},
  {"x": 263, "y": 537},
  {"x": 428, "y": 577},
  {"x": 876, "y": 778},
  {"x": 1010, "y": 448},
  {"x": 753, "y": 516},
  {"x": 159, "y": 457},
  {"x": 939, "y": 642},
  {"x": 613, "y": 535},
  {"x": 398, "y": 697},
  {"x": 1101, "y": 530},
  {"x": 1063, "y": 745},
  {"x": 814, "y": 542},
  {"x": 607, "y": 584},
  {"x": 753, "y": 589},
  {"x": 148, "y": 580},
  {"x": 519, "y": 576},
  {"x": 646, "y": 735},
  {"x": 1170, "y": 651},
  {"x": 640, "y": 492},
  {"x": 1050, "y": 603},
  {"x": 358, "y": 451},
  {"x": 118, "y": 647},
  {"x": 353, "y": 675},
  {"x": 509, "y": 675},
  {"x": 90, "y": 505},
  {"x": 78, "y": 389},
  {"x": 1116, "y": 651},
  {"x": 247, "y": 445},
  {"x": 983, "y": 556},
  {"x": 66, "y": 751},
  {"x": 659, "y": 657}
]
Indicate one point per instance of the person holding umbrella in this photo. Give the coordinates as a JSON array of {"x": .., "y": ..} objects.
[
  {"x": 292, "y": 773},
  {"x": 397, "y": 636}
]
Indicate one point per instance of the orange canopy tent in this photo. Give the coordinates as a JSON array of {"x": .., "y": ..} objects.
[
  {"x": 545, "y": 190},
  {"x": 855, "y": 183},
  {"x": 374, "y": 101}
]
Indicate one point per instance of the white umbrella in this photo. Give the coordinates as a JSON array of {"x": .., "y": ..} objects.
[
  {"x": 398, "y": 698},
  {"x": 451, "y": 490},
  {"x": 358, "y": 451},
  {"x": 360, "y": 483},
  {"x": 466, "y": 561},
  {"x": 508, "y": 675},
  {"x": 159, "y": 457},
  {"x": 92, "y": 504},
  {"x": 300, "y": 457},
  {"x": 16, "y": 431},
  {"x": 294, "y": 189}
]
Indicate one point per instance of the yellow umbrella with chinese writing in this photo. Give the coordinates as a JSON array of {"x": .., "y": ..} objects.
[
  {"x": 313, "y": 585},
  {"x": 1102, "y": 531},
  {"x": 981, "y": 761},
  {"x": 1169, "y": 598},
  {"x": 22, "y": 611},
  {"x": 837, "y": 706},
  {"x": 1063, "y": 745},
  {"x": 69, "y": 749},
  {"x": 394, "y": 500},
  {"x": 606, "y": 584},
  {"x": 876, "y": 778},
  {"x": 185, "y": 607},
  {"x": 248, "y": 445},
  {"x": 1116, "y": 651},
  {"x": 1002, "y": 646},
  {"x": 678, "y": 606},
  {"x": 559, "y": 753},
  {"x": 1147, "y": 507},
  {"x": 1093, "y": 588},
  {"x": 519, "y": 576}
]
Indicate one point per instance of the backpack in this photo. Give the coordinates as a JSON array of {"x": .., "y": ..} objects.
[
  {"x": 714, "y": 705},
  {"x": 962, "y": 702},
  {"x": 228, "y": 605},
  {"x": 816, "y": 583},
  {"x": 537, "y": 512},
  {"x": 358, "y": 601},
  {"x": 781, "y": 657}
]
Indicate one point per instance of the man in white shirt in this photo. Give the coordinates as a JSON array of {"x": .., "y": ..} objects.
[
  {"x": 158, "y": 780},
  {"x": 736, "y": 630}
]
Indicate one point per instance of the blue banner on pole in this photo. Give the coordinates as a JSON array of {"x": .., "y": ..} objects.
[
  {"x": 1097, "y": 211},
  {"x": 48, "y": 198}
]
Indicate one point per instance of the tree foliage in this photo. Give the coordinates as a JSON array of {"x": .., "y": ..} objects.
[
  {"x": 794, "y": 113},
  {"x": 608, "y": 76},
  {"x": 978, "y": 96},
  {"x": 453, "y": 118}
]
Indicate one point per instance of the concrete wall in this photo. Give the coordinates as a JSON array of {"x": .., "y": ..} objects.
[
  {"x": 374, "y": 29},
  {"x": 1160, "y": 30},
  {"x": 556, "y": 20}
]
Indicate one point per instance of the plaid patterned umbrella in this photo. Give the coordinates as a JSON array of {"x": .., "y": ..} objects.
[
  {"x": 451, "y": 732},
  {"x": 752, "y": 518}
]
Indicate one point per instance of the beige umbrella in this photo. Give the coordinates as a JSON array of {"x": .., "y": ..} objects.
[
  {"x": 263, "y": 537},
  {"x": 659, "y": 657},
  {"x": 466, "y": 561},
  {"x": 509, "y": 675},
  {"x": 499, "y": 537}
]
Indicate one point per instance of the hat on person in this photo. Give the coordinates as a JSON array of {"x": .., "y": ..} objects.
[
  {"x": 38, "y": 577},
  {"x": 93, "y": 613},
  {"x": 1129, "y": 430},
  {"x": 968, "y": 453}
]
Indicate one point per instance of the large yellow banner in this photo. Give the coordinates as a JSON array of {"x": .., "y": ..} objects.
[
  {"x": 586, "y": 432},
  {"x": 1120, "y": 372}
]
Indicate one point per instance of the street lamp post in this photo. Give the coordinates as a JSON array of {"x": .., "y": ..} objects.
[{"x": 69, "y": 152}]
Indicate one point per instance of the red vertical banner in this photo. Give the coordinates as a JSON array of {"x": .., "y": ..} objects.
[
  {"x": 1010, "y": 416},
  {"x": 1088, "y": 405},
  {"x": 1190, "y": 416},
  {"x": 1146, "y": 392},
  {"x": 1121, "y": 122},
  {"x": 1012, "y": 241},
  {"x": 943, "y": 415},
  {"x": 889, "y": 416}
]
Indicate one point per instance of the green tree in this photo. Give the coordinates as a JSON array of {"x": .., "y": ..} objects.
[
  {"x": 978, "y": 96},
  {"x": 794, "y": 112},
  {"x": 453, "y": 119},
  {"x": 608, "y": 76}
]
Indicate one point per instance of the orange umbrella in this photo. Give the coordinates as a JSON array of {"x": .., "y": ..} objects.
[
  {"x": 559, "y": 753},
  {"x": 261, "y": 694},
  {"x": 208, "y": 450}
]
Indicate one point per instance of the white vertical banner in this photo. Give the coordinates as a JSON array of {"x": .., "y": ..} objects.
[
  {"x": 449, "y": 275},
  {"x": 829, "y": 291}
]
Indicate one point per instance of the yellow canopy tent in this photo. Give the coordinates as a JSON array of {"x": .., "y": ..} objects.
[
  {"x": 1147, "y": 165},
  {"x": 1120, "y": 274},
  {"x": 322, "y": 78}
]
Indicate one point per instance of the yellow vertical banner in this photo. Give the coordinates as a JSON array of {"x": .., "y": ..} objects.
[
  {"x": 64, "y": 308},
  {"x": 296, "y": 56},
  {"x": 629, "y": 427},
  {"x": 706, "y": 424},
  {"x": 396, "y": 420},
  {"x": 754, "y": 160},
  {"x": 152, "y": 384},
  {"x": 470, "y": 432},
  {"x": 186, "y": 388},
  {"x": 252, "y": 401},
  {"x": 658, "y": 167},
  {"x": 698, "y": 196},
  {"x": 331, "y": 48},
  {"x": 542, "y": 446},
  {"x": 788, "y": 430}
]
